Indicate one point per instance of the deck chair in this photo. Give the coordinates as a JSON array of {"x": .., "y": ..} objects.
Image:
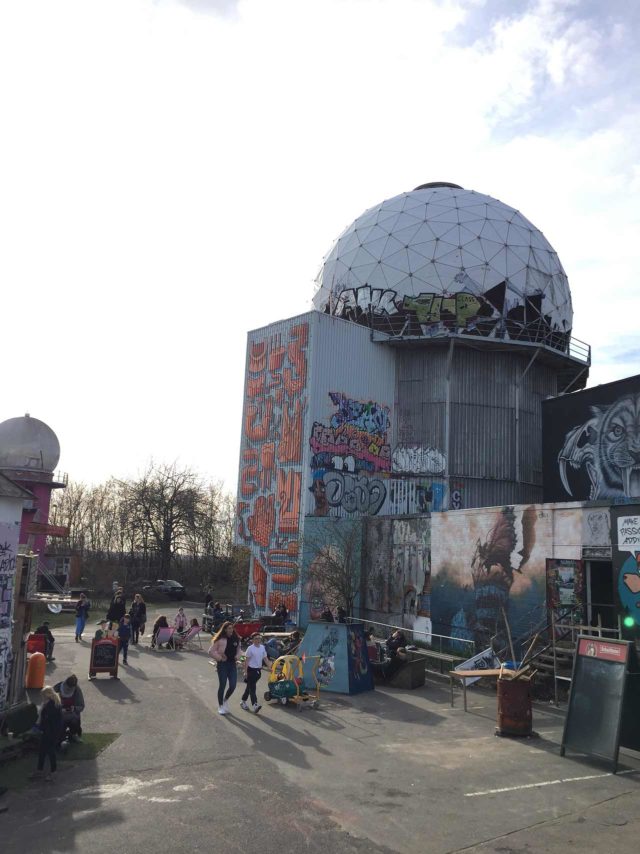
[
  {"x": 163, "y": 637},
  {"x": 188, "y": 641}
]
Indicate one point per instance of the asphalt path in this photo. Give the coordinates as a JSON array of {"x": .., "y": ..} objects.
[{"x": 386, "y": 771}]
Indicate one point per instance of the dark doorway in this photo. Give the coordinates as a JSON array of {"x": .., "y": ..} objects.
[{"x": 600, "y": 590}]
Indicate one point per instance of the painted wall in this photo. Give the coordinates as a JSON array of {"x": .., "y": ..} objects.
[
  {"x": 591, "y": 442},
  {"x": 10, "y": 513},
  {"x": 271, "y": 460},
  {"x": 625, "y": 533},
  {"x": 334, "y": 536},
  {"x": 397, "y": 573},
  {"x": 485, "y": 560},
  {"x": 351, "y": 421}
]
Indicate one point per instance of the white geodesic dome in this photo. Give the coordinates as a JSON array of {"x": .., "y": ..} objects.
[{"x": 442, "y": 259}]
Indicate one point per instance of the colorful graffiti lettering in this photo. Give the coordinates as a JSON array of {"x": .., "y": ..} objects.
[
  {"x": 432, "y": 314},
  {"x": 271, "y": 464},
  {"x": 347, "y": 453}
]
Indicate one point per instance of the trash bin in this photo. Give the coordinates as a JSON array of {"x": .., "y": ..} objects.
[
  {"x": 36, "y": 670},
  {"x": 514, "y": 707}
]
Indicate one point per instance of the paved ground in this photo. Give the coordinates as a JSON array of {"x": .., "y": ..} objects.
[{"x": 387, "y": 771}]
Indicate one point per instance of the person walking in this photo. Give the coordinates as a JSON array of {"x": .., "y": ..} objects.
[
  {"x": 224, "y": 648},
  {"x": 255, "y": 657},
  {"x": 138, "y": 614},
  {"x": 82, "y": 612},
  {"x": 117, "y": 609},
  {"x": 51, "y": 728},
  {"x": 124, "y": 636}
]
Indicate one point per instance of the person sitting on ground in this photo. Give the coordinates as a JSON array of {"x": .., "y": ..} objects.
[
  {"x": 326, "y": 615},
  {"x": 342, "y": 614},
  {"x": 72, "y": 701},
  {"x": 49, "y": 640},
  {"x": 160, "y": 623},
  {"x": 101, "y": 631},
  {"x": 396, "y": 642}
]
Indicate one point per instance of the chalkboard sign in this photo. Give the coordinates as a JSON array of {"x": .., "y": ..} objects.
[
  {"x": 604, "y": 699},
  {"x": 104, "y": 657}
]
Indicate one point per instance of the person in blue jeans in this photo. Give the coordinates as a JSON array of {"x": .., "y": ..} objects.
[
  {"x": 82, "y": 612},
  {"x": 224, "y": 648},
  {"x": 124, "y": 636}
]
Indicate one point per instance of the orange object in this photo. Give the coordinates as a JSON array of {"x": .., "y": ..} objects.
[{"x": 35, "y": 671}]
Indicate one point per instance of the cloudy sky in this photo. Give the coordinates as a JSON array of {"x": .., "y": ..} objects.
[{"x": 173, "y": 172}]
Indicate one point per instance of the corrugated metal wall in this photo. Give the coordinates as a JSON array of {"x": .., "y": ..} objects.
[{"x": 488, "y": 462}]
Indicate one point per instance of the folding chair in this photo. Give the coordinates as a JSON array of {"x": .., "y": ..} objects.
[
  {"x": 188, "y": 641},
  {"x": 163, "y": 637}
]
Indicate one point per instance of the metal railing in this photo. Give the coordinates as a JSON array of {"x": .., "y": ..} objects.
[{"x": 424, "y": 638}]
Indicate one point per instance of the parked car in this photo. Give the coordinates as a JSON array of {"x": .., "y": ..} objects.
[{"x": 172, "y": 589}]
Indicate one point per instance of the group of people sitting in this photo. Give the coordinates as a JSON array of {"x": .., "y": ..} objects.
[{"x": 182, "y": 626}]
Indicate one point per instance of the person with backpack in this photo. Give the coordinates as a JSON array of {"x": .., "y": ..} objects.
[{"x": 51, "y": 728}]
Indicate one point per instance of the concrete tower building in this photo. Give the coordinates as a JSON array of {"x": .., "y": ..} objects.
[{"x": 442, "y": 319}]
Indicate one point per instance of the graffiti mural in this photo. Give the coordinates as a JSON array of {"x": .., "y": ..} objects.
[
  {"x": 397, "y": 586},
  {"x": 488, "y": 565},
  {"x": 338, "y": 543},
  {"x": 351, "y": 456},
  {"x": 8, "y": 550},
  {"x": 430, "y": 314},
  {"x": 418, "y": 459},
  {"x": 591, "y": 443},
  {"x": 407, "y": 497},
  {"x": 625, "y": 530},
  {"x": 270, "y": 481}
]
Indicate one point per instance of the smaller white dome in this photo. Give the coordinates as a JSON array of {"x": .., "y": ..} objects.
[{"x": 27, "y": 443}]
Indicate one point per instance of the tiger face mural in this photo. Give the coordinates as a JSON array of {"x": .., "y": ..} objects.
[{"x": 608, "y": 447}]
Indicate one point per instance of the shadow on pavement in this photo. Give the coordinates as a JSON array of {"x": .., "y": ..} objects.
[
  {"x": 114, "y": 689},
  {"x": 280, "y": 749}
]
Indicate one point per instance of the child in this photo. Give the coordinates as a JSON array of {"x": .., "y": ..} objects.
[
  {"x": 124, "y": 633},
  {"x": 51, "y": 727},
  {"x": 180, "y": 621},
  {"x": 255, "y": 657},
  {"x": 101, "y": 631}
]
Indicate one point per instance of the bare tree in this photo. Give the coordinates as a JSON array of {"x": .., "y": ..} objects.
[{"x": 334, "y": 566}]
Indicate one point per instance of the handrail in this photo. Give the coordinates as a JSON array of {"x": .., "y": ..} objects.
[{"x": 414, "y": 631}]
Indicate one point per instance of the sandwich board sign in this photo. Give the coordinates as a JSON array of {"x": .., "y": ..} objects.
[
  {"x": 604, "y": 703},
  {"x": 104, "y": 657}
]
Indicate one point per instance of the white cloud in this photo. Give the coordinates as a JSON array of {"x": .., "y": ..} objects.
[{"x": 172, "y": 179}]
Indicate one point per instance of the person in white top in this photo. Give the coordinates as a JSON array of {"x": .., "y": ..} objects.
[{"x": 255, "y": 657}]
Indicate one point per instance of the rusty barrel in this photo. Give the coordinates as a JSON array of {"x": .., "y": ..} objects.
[{"x": 514, "y": 707}]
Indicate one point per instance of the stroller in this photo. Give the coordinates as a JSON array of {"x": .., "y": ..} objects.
[{"x": 286, "y": 683}]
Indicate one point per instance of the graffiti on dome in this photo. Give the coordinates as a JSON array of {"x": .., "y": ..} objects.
[
  {"x": 428, "y": 314},
  {"x": 351, "y": 456},
  {"x": 271, "y": 464}
]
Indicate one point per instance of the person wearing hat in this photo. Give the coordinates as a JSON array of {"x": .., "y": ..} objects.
[
  {"x": 101, "y": 631},
  {"x": 49, "y": 640},
  {"x": 72, "y": 701}
]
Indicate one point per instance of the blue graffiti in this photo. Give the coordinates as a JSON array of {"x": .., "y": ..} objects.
[
  {"x": 628, "y": 582},
  {"x": 370, "y": 416}
]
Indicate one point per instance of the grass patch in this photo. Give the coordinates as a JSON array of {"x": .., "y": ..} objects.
[
  {"x": 91, "y": 745},
  {"x": 40, "y": 613},
  {"x": 14, "y": 774}
]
